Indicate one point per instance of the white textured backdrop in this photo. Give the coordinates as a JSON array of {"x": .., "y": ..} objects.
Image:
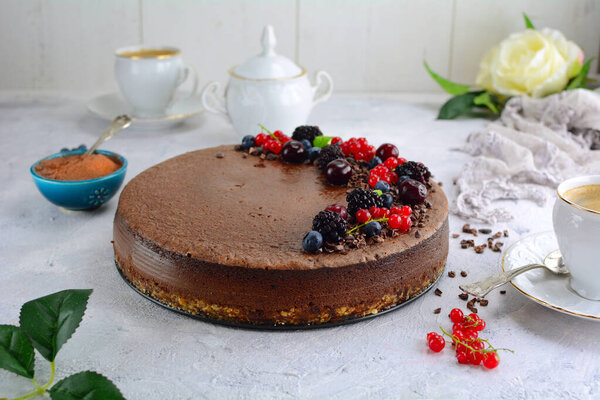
[{"x": 375, "y": 45}]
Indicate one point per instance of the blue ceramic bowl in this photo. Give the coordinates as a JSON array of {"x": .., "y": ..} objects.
[{"x": 80, "y": 195}]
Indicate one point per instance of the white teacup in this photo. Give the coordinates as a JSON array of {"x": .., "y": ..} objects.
[
  {"x": 577, "y": 229},
  {"x": 149, "y": 76}
]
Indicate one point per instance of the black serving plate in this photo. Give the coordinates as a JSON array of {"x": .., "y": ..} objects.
[{"x": 270, "y": 327}]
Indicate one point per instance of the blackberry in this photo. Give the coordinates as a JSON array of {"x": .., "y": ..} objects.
[
  {"x": 328, "y": 154},
  {"x": 331, "y": 225},
  {"x": 361, "y": 198},
  {"x": 414, "y": 170},
  {"x": 306, "y": 132}
]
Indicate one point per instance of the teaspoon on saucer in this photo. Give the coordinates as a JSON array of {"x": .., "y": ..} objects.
[{"x": 553, "y": 262}]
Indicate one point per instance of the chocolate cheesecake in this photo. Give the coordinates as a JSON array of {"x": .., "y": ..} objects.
[{"x": 222, "y": 237}]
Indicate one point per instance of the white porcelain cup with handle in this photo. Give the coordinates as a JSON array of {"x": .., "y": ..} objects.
[
  {"x": 577, "y": 230},
  {"x": 149, "y": 76}
]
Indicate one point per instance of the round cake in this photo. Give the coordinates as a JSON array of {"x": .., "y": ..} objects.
[{"x": 218, "y": 233}]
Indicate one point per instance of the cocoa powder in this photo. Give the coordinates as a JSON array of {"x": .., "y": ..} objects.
[{"x": 77, "y": 167}]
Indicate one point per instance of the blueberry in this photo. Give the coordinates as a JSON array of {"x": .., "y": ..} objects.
[
  {"x": 313, "y": 153},
  {"x": 64, "y": 149},
  {"x": 374, "y": 161},
  {"x": 383, "y": 186},
  {"x": 402, "y": 179},
  {"x": 373, "y": 228},
  {"x": 247, "y": 142},
  {"x": 387, "y": 200},
  {"x": 306, "y": 143},
  {"x": 313, "y": 241}
]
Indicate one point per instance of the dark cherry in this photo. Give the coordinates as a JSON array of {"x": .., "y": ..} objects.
[
  {"x": 293, "y": 152},
  {"x": 386, "y": 151},
  {"x": 338, "y": 172},
  {"x": 340, "y": 209},
  {"x": 412, "y": 192}
]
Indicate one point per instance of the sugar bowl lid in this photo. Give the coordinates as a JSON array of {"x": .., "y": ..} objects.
[{"x": 268, "y": 64}]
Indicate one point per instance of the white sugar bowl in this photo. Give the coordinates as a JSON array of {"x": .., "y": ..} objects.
[{"x": 268, "y": 89}]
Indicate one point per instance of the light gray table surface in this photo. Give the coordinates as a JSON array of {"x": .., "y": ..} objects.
[{"x": 153, "y": 353}]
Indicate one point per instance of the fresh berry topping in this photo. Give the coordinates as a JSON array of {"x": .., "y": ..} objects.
[
  {"x": 374, "y": 211},
  {"x": 387, "y": 200},
  {"x": 247, "y": 142},
  {"x": 412, "y": 192},
  {"x": 402, "y": 178},
  {"x": 383, "y": 186},
  {"x": 336, "y": 140},
  {"x": 278, "y": 134},
  {"x": 306, "y": 143},
  {"x": 338, "y": 172},
  {"x": 480, "y": 325},
  {"x": 394, "y": 221},
  {"x": 340, "y": 209},
  {"x": 373, "y": 180},
  {"x": 314, "y": 153},
  {"x": 391, "y": 162},
  {"x": 456, "y": 315},
  {"x": 328, "y": 154},
  {"x": 491, "y": 360},
  {"x": 474, "y": 357},
  {"x": 395, "y": 210},
  {"x": 386, "y": 151},
  {"x": 384, "y": 212},
  {"x": 401, "y": 161},
  {"x": 436, "y": 343},
  {"x": 345, "y": 147},
  {"x": 293, "y": 152},
  {"x": 306, "y": 132},
  {"x": 331, "y": 225},
  {"x": 394, "y": 177},
  {"x": 273, "y": 146},
  {"x": 462, "y": 358},
  {"x": 374, "y": 162},
  {"x": 363, "y": 216},
  {"x": 405, "y": 223},
  {"x": 312, "y": 242},
  {"x": 261, "y": 139},
  {"x": 371, "y": 229},
  {"x": 414, "y": 170},
  {"x": 361, "y": 198},
  {"x": 406, "y": 210}
]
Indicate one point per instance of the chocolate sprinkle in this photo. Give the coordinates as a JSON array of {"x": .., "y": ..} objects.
[
  {"x": 455, "y": 235},
  {"x": 463, "y": 296},
  {"x": 485, "y": 231},
  {"x": 437, "y": 311},
  {"x": 503, "y": 292},
  {"x": 451, "y": 274},
  {"x": 438, "y": 292},
  {"x": 483, "y": 302},
  {"x": 463, "y": 274}
]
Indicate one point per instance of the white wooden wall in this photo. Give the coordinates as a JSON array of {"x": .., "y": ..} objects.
[{"x": 366, "y": 45}]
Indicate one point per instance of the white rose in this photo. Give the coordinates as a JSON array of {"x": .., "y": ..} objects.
[{"x": 537, "y": 63}]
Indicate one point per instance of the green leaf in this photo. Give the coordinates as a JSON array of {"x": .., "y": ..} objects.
[
  {"x": 16, "y": 351},
  {"x": 450, "y": 87},
  {"x": 528, "y": 23},
  {"x": 322, "y": 141},
  {"x": 458, "y": 105},
  {"x": 51, "y": 320},
  {"x": 579, "y": 80},
  {"x": 485, "y": 100},
  {"x": 86, "y": 385},
  {"x": 378, "y": 192}
]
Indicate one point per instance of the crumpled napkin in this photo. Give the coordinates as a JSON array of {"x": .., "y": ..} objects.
[{"x": 533, "y": 146}]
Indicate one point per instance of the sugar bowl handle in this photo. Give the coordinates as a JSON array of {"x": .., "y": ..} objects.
[
  {"x": 212, "y": 100},
  {"x": 323, "y": 94}
]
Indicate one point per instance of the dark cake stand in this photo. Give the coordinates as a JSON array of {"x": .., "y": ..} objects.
[{"x": 270, "y": 327}]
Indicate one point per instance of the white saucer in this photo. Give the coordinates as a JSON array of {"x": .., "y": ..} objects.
[
  {"x": 110, "y": 105},
  {"x": 542, "y": 286}
]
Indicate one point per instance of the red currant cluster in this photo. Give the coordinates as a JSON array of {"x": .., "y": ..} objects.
[
  {"x": 470, "y": 348},
  {"x": 398, "y": 218},
  {"x": 385, "y": 171},
  {"x": 273, "y": 143},
  {"x": 359, "y": 148}
]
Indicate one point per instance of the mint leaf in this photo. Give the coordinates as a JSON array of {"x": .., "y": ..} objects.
[
  {"x": 322, "y": 141},
  {"x": 86, "y": 385},
  {"x": 579, "y": 80},
  {"x": 449, "y": 87},
  {"x": 484, "y": 99},
  {"x": 379, "y": 192},
  {"x": 51, "y": 320},
  {"x": 16, "y": 351},
  {"x": 458, "y": 105},
  {"x": 528, "y": 23}
]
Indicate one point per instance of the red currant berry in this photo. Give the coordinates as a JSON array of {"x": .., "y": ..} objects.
[
  {"x": 406, "y": 210},
  {"x": 480, "y": 325},
  {"x": 470, "y": 334},
  {"x": 278, "y": 134},
  {"x": 363, "y": 216},
  {"x": 386, "y": 151},
  {"x": 401, "y": 161},
  {"x": 394, "y": 177},
  {"x": 374, "y": 211},
  {"x": 405, "y": 223},
  {"x": 456, "y": 315},
  {"x": 458, "y": 327},
  {"x": 431, "y": 335},
  {"x": 437, "y": 343},
  {"x": 384, "y": 212},
  {"x": 338, "y": 208},
  {"x": 491, "y": 360},
  {"x": 369, "y": 156},
  {"x": 373, "y": 180},
  {"x": 359, "y": 156},
  {"x": 394, "y": 221},
  {"x": 284, "y": 139},
  {"x": 386, "y": 178},
  {"x": 478, "y": 345},
  {"x": 391, "y": 162},
  {"x": 462, "y": 358},
  {"x": 345, "y": 148},
  {"x": 474, "y": 317},
  {"x": 474, "y": 357},
  {"x": 336, "y": 140},
  {"x": 261, "y": 139},
  {"x": 461, "y": 348},
  {"x": 354, "y": 147},
  {"x": 395, "y": 210},
  {"x": 362, "y": 142}
]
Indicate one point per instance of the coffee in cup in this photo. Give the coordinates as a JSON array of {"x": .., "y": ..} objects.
[
  {"x": 576, "y": 218},
  {"x": 149, "y": 76}
]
